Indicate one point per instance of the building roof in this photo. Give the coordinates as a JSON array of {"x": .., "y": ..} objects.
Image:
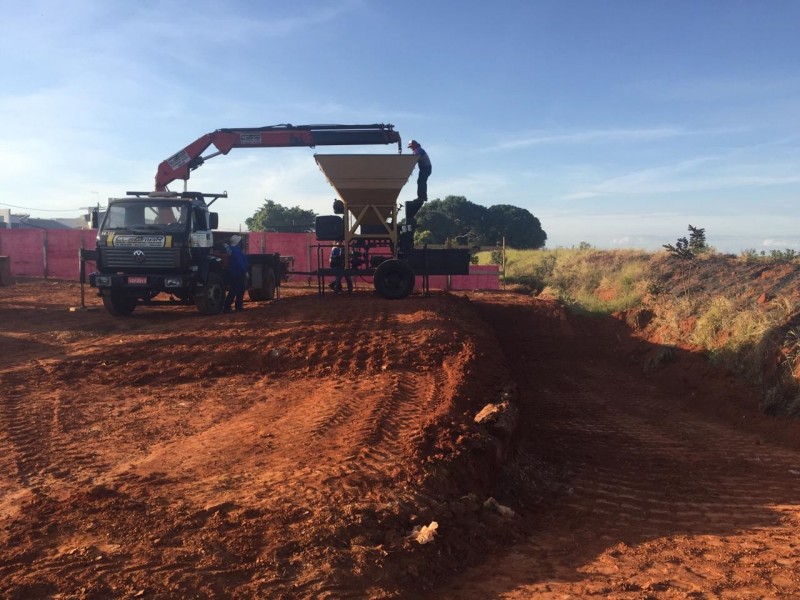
[{"x": 24, "y": 222}]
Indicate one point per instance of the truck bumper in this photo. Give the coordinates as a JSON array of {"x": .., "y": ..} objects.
[{"x": 139, "y": 285}]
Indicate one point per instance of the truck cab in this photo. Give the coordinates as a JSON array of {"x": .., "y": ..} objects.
[{"x": 152, "y": 243}]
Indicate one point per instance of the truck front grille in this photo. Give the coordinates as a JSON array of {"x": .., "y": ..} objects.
[{"x": 141, "y": 258}]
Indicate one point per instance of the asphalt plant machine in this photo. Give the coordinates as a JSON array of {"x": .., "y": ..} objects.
[{"x": 366, "y": 220}]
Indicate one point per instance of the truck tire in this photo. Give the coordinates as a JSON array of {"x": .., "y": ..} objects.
[
  {"x": 394, "y": 279},
  {"x": 210, "y": 297},
  {"x": 118, "y": 304}
]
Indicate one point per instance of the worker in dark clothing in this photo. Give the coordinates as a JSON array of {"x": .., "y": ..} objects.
[
  {"x": 337, "y": 263},
  {"x": 424, "y": 167},
  {"x": 237, "y": 275}
]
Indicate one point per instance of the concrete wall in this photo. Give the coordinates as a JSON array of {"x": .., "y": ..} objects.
[{"x": 54, "y": 253}]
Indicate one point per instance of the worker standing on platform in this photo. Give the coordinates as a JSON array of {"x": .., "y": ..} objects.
[{"x": 425, "y": 168}]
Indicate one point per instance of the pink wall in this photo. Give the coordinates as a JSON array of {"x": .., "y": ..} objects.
[
  {"x": 54, "y": 253},
  {"x": 24, "y": 250},
  {"x": 45, "y": 252},
  {"x": 297, "y": 245}
]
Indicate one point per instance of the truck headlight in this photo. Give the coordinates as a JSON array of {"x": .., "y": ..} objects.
[
  {"x": 102, "y": 281},
  {"x": 173, "y": 282}
]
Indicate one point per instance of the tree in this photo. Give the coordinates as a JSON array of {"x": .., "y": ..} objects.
[
  {"x": 681, "y": 249},
  {"x": 455, "y": 218},
  {"x": 462, "y": 222},
  {"x": 277, "y": 218},
  {"x": 688, "y": 249},
  {"x": 697, "y": 240},
  {"x": 437, "y": 222},
  {"x": 422, "y": 237},
  {"x": 519, "y": 227}
]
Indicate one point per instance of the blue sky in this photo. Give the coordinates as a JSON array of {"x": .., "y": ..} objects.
[{"x": 617, "y": 123}]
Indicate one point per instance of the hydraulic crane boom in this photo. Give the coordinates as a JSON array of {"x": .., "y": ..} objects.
[{"x": 180, "y": 164}]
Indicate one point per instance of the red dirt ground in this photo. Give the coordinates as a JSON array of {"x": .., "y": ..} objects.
[{"x": 289, "y": 452}]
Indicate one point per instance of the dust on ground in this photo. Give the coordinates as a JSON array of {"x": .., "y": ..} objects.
[{"x": 292, "y": 450}]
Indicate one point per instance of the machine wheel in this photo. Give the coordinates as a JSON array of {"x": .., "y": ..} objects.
[
  {"x": 269, "y": 284},
  {"x": 118, "y": 304},
  {"x": 394, "y": 279},
  {"x": 210, "y": 297},
  {"x": 267, "y": 289}
]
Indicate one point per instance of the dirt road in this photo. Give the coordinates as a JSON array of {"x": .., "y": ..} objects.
[{"x": 290, "y": 451}]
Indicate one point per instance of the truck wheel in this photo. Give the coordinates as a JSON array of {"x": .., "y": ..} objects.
[
  {"x": 394, "y": 279},
  {"x": 118, "y": 304},
  {"x": 210, "y": 297}
]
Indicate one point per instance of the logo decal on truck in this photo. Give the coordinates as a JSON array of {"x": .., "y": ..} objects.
[{"x": 145, "y": 241}]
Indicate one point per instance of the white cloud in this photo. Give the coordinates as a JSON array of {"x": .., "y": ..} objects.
[{"x": 772, "y": 243}]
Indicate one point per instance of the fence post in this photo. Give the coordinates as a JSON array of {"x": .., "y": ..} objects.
[
  {"x": 5, "y": 271},
  {"x": 308, "y": 248},
  {"x": 44, "y": 251},
  {"x": 83, "y": 256}
]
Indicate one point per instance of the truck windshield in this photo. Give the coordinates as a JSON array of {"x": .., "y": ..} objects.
[{"x": 138, "y": 214}]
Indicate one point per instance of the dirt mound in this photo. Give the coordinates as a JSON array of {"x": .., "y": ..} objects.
[{"x": 287, "y": 451}]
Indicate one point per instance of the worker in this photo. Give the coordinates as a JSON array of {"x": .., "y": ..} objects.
[
  {"x": 337, "y": 263},
  {"x": 424, "y": 167},
  {"x": 237, "y": 275}
]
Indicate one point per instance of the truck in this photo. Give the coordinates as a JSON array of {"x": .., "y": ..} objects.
[
  {"x": 164, "y": 242},
  {"x": 153, "y": 243}
]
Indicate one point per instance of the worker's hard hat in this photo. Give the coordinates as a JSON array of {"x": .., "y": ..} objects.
[
  {"x": 413, "y": 143},
  {"x": 235, "y": 239}
]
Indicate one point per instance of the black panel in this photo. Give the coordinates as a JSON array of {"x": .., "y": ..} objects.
[
  {"x": 440, "y": 261},
  {"x": 329, "y": 227}
]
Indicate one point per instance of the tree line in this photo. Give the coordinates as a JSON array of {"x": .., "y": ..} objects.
[{"x": 453, "y": 221}]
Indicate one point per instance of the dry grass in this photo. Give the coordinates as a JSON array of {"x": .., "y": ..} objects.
[
  {"x": 698, "y": 304},
  {"x": 589, "y": 280}
]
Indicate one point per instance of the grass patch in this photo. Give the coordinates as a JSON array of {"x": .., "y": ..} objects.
[{"x": 588, "y": 280}]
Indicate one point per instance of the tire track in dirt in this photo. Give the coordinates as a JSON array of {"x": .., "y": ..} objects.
[
  {"x": 391, "y": 421},
  {"x": 37, "y": 432},
  {"x": 351, "y": 365},
  {"x": 17, "y": 435},
  {"x": 657, "y": 500}
]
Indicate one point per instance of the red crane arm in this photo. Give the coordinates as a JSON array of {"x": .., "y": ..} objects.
[{"x": 180, "y": 164}]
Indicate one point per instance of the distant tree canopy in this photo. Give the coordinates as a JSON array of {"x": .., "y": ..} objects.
[
  {"x": 454, "y": 220},
  {"x": 276, "y": 218},
  {"x": 461, "y": 222}
]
